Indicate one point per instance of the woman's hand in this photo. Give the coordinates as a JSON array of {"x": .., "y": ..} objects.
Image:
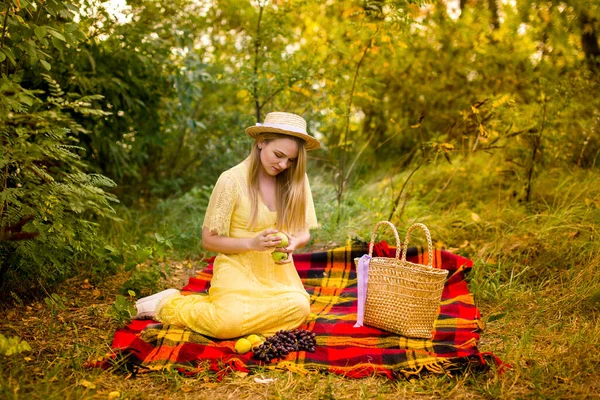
[
  {"x": 294, "y": 243},
  {"x": 288, "y": 249},
  {"x": 266, "y": 240}
]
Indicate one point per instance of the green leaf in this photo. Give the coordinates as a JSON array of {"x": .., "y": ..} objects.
[
  {"x": 51, "y": 10},
  {"x": 57, "y": 35},
  {"x": 496, "y": 317},
  {"x": 71, "y": 39},
  {"x": 8, "y": 52},
  {"x": 30, "y": 49},
  {"x": 2, "y": 56},
  {"x": 143, "y": 254},
  {"x": 130, "y": 265},
  {"x": 71, "y": 27},
  {"x": 46, "y": 65},
  {"x": 40, "y": 31},
  {"x": 58, "y": 44},
  {"x": 25, "y": 99},
  {"x": 111, "y": 249}
]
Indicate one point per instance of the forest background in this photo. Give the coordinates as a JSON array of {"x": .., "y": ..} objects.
[{"x": 478, "y": 118}]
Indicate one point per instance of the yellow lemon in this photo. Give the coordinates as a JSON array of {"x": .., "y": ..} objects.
[
  {"x": 254, "y": 340},
  {"x": 242, "y": 346}
]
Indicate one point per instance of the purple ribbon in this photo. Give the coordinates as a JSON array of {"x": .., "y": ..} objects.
[{"x": 363, "y": 278}]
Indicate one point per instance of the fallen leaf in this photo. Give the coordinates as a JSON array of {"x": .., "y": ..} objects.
[
  {"x": 496, "y": 317},
  {"x": 114, "y": 395},
  {"x": 87, "y": 384},
  {"x": 266, "y": 380},
  {"x": 475, "y": 217}
]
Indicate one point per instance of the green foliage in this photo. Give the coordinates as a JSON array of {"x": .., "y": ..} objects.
[
  {"x": 147, "y": 266},
  {"x": 146, "y": 278},
  {"x": 55, "y": 303},
  {"x": 12, "y": 345},
  {"x": 46, "y": 193},
  {"x": 122, "y": 310},
  {"x": 50, "y": 206}
]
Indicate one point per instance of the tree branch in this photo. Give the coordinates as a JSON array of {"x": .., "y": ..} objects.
[
  {"x": 348, "y": 109},
  {"x": 257, "y": 105}
]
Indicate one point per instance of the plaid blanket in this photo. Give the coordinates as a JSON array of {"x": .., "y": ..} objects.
[{"x": 330, "y": 279}]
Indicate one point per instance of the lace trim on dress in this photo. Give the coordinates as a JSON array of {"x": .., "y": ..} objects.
[{"x": 221, "y": 205}]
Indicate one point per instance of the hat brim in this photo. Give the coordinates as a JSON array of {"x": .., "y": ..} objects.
[{"x": 311, "y": 142}]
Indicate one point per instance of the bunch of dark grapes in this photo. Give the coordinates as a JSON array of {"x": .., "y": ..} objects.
[{"x": 284, "y": 342}]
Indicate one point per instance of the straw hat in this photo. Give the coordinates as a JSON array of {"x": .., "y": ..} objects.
[{"x": 284, "y": 123}]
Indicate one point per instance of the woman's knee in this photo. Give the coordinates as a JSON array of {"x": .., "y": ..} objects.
[{"x": 301, "y": 305}]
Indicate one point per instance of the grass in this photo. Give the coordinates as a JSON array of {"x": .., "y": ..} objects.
[{"x": 536, "y": 280}]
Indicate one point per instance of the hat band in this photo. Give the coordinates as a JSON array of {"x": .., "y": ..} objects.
[{"x": 284, "y": 127}]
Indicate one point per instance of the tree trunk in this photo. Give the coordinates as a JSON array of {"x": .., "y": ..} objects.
[
  {"x": 589, "y": 41},
  {"x": 493, "y": 6}
]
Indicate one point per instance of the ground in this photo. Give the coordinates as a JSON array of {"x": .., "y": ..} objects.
[{"x": 64, "y": 337}]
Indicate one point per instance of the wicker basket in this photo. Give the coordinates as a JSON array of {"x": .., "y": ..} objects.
[{"x": 403, "y": 297}]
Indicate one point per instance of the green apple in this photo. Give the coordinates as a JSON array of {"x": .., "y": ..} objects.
[
  {"x": 284, "y": 239},
  {"x": 279, "y": 256}
]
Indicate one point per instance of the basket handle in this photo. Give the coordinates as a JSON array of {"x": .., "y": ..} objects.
[
  {"x": 395, "y": 235},
  {"x": 429, "y": 245}
]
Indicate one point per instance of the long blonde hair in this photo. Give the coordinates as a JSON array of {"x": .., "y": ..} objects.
[{"x": 290, "y": 190}]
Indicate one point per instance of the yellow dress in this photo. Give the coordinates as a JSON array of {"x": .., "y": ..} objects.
[{"x": 249, "y": 292}]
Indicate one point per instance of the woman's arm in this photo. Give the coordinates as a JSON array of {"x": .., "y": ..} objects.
[{"x": 265, "y": 240}]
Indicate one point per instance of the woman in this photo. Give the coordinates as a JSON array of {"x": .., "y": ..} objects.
[{"x": 265, "y": 194}]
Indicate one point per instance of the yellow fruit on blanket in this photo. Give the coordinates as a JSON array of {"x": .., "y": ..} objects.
[
  {"x": 254, "y": 339},
  {"x": 279, "y": 256},
  {"x": 284, "y": 239},
  {"x": 242, "y": 346}
]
